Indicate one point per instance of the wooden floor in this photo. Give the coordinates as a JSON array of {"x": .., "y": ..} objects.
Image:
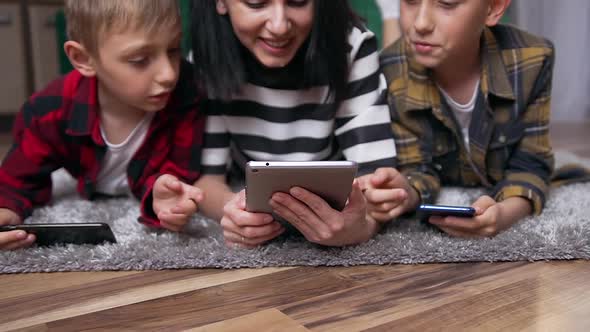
[{"x": 542, "y": 296}]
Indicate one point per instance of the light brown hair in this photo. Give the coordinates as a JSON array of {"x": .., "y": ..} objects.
[{"x": 89, "y": 20}]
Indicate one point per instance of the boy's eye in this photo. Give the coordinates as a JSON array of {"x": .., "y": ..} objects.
[
  {"x": 411, "y": 2},
  {"x": 174, "y": 50},
  {"x": 448, "y": 4},
  {"x": 139, "y": 61},
  {"x": 255, "y": 4}
]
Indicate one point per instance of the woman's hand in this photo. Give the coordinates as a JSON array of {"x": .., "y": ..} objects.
[
  {"x": 321, "y": 224},
  {"x": 247, "y": 229}
]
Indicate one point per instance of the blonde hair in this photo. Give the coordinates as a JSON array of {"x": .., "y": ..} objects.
[{"x": 89, "y": 20}]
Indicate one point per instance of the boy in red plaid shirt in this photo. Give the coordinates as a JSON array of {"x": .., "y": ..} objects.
[{"x": 124, "y": 121}]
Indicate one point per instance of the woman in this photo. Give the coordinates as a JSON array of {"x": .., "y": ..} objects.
[{"x": 289, "y": 80}]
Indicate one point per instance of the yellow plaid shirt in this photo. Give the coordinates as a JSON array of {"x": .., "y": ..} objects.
[{"x": 509, "y": 147}]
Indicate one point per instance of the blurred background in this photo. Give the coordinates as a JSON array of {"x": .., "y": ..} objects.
[
  {"x": 566, "y": 24},
  {"x": 32, "y": 33}
]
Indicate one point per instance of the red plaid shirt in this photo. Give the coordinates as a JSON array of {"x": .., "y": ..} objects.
[{"x": 59, "y": 127}]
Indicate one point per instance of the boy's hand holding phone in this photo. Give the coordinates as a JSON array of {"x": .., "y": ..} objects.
[
  {"x": 490, "y": 218},
  {"x": 175, "y": 202},
  {"x": 388, "y": 194},
  {"x": 14, "y": 239}
]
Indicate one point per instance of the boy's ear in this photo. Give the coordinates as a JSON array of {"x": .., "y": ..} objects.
[
  {"x": 496, "y": 9},
  {"x": 221, "y": 7},
  {"x": 80, "y": 58}
]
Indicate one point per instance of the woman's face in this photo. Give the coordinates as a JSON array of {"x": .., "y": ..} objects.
[{"x": 273, "y": 30}]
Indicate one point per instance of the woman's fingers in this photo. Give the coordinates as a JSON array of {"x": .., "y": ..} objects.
[
  {"x": 301, "y": 216},
  {"x": 232, "y": 237}
]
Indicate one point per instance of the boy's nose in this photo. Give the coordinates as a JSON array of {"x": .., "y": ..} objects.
[
  {"x": 423, "y": 22},
  {"x": 166, "y": 74},
  {"x": 278, "y": 22}
]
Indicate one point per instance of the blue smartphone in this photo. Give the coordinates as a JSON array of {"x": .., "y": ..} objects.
[{"x": 428, "y": 210}]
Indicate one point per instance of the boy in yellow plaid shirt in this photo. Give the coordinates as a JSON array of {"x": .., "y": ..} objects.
[{"x": 470, "y": 102}]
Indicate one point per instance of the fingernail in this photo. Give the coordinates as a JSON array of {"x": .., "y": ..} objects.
[
  {"x": 295, "y": 191},
  {"x": 268, "y": 219},
  {"x": 20, "y": 235}
]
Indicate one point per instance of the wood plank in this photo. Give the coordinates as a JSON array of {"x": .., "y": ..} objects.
[
  {"x": 207, "y": 306},
  {"x": 38, "y": 328},
  {"x": 388, "y": 301},
  {"x": 48, "y": 307},
  {"x": 45, "y": 300},
  {"x": 521, "y": 304},
  {"x": 18, "y": 285},
  {"x": 270, "y": 320}
]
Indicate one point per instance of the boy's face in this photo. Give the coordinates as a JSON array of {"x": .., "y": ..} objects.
[
  {"x": 442, "y": 31},
  {"x": 137, "y": 69},
  {"x": 272, "y": 30}
]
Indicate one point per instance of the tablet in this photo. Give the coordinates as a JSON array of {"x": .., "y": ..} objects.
[
  {"x": 80, "y": 233},
  {"x": 331, "y": 180}
]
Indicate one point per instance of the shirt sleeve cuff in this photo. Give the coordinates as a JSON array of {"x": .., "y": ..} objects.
[
  {"x": 514, "y": 190},
  {"x": 426, "y": 185},
  {"x": 22, "y": 212},
  {"x": 148, "y": 215}
]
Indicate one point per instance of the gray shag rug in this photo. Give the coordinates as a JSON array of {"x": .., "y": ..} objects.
[{"x": 561, "y": 232}]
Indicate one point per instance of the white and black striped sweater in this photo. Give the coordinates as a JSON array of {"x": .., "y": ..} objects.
[{"x": 269, "y": 120}]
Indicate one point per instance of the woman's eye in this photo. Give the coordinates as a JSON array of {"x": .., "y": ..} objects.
[
  {"x": 262, "y": 3},
  {"x": 298, "y": 3}
]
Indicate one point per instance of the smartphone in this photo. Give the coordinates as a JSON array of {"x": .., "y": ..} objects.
[
  {"x": 50, "y": 234},
  {"x": 427, "y": 210},
  {"x": 331, "y": 180}
]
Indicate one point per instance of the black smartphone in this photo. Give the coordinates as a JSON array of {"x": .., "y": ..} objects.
[
  {"x": 427, "y": 210},
  {"x": 50, "y": 234}
]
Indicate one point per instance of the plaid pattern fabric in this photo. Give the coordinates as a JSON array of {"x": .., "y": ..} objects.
[
  {"x": 59, "y": 127},
  {"x": 509, "y": 148}
]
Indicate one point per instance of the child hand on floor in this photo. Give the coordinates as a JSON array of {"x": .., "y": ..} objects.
[
  {"x": 13, "y": 239},
  {"x": 175, "y": 201}
]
